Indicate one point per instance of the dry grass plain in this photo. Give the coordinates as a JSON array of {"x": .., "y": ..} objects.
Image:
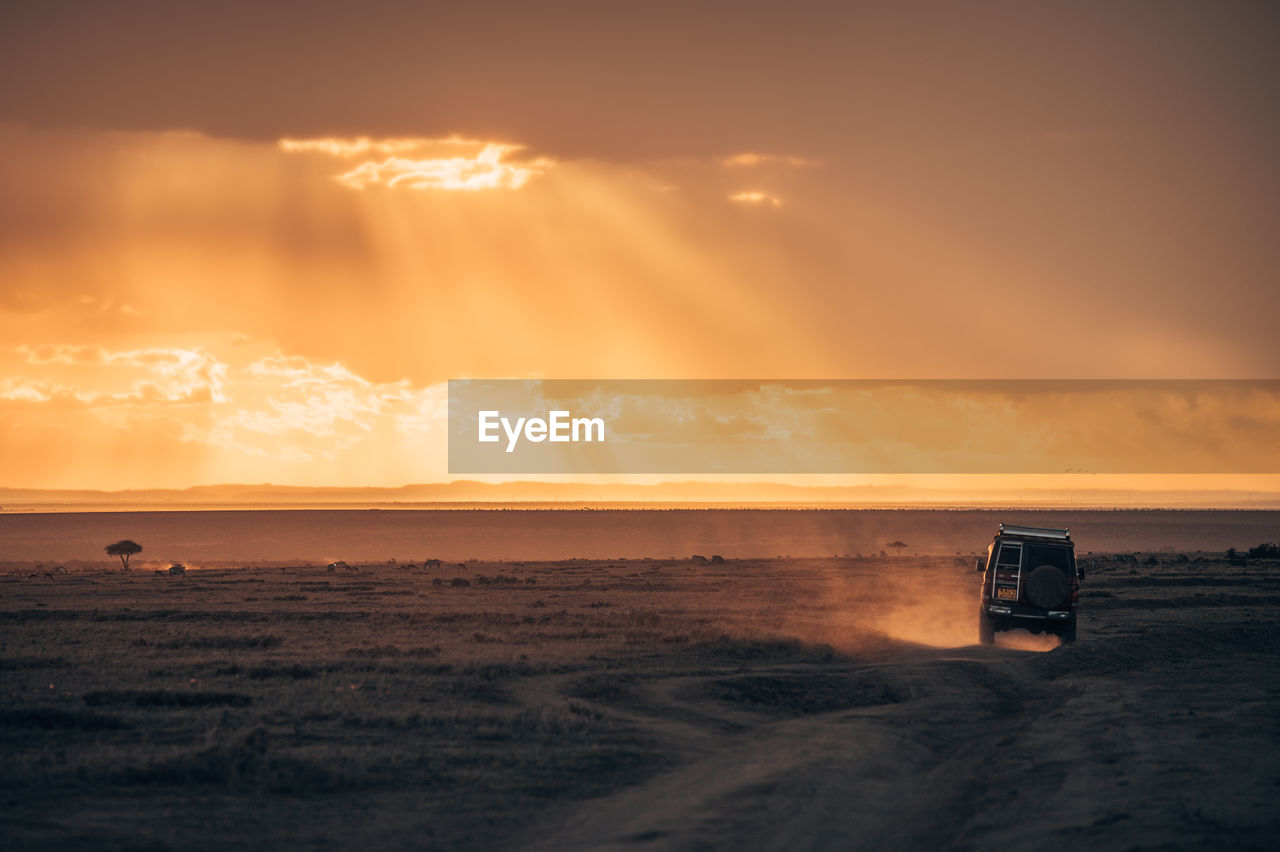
[{"x": 636, "y": 704}]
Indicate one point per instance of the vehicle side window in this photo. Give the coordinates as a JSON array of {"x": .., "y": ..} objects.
[{"x": 1009, "y": 556}]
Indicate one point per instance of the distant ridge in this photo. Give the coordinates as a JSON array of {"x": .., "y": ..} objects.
[{"x": 470, "y": 492}]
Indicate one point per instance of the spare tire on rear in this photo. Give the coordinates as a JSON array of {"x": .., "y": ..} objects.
[{"x": 1047, "y": 587}]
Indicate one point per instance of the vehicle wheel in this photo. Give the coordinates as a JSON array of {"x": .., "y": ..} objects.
[
  {"x": 1068, "y": 632},
  {"x": 986, "y": 629}
]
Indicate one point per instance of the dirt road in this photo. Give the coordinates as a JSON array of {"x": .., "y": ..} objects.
[{"x": 1160, "y": 728}]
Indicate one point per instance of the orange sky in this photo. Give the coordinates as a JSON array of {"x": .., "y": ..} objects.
[{"x": 242, "y": 244}]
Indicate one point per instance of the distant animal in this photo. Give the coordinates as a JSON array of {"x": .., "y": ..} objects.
[
  {"x": 698, "y": 559},
  {"x": 334, "y": 566},
  {"x": 176, "y": 570},
  {"x": 432, "y": 563}
]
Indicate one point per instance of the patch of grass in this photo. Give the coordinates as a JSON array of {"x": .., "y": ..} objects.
[
  {"x": 1269, "y": 550},
  {"x": 498, "y": 671},
  {"x": 13, "y": 664},
  {"x": 219, "y": 643},
  {"x": 483, "y": 683},
  {"x": 163, "y": 698},
  {"x": 566, "y": 635},
  {"x": 641, "y": 618},
  {"x": 605, "y": 688},
  {"x": 799, "y": 695},
  {"x": 393, "y": 651},
  {"x": 780, "y": 649},
  {"x": 480, "y": 691},
  {"x": 248, "y": 761},
  {"x": 488, "y": 619},
  {"x": 266, "y": 672},
  {"x": 56, "y": 719},
  {"x": 294, "y": 671}
]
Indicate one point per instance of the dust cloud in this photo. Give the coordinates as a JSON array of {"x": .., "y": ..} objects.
[{"x": 926, "y": 602}]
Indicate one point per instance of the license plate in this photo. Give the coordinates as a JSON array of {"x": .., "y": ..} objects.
[{"x": 1007, "y": 594}]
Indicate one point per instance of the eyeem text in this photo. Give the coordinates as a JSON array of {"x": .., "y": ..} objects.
[{"x": 559, "y": 427}]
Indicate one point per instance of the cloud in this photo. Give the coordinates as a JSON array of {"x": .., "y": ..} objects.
[
  {"x": 454, "y": 163},
  {"x": 299, "y": 371},
  {"x": 358, "y": 145},
  {"x": 25, "y": 390},
  {"x": 751, "y": 159},
  {"x": 102, "y": 377},
  {"x": 756, "y": 197},
  {"x": 55, "y": 354},
  {"x": 253, "y": 412},
  {"x": 290, "y": 408}
]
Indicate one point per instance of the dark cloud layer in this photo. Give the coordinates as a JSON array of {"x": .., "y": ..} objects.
[{"x": 619, "y": 80}]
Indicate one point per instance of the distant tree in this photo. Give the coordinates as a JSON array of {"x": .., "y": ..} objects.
[
  {"x": 124, "y": 549},
  {"x": 898, "y": 545}
]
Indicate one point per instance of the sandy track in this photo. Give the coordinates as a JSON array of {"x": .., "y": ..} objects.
[{"x": 1159, "y": 729}]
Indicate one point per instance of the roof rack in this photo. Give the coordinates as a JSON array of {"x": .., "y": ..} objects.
[{"x": 1036, "y": 532}]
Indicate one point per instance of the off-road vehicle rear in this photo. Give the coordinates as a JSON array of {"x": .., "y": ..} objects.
[{"x": 1030, "y": 580}]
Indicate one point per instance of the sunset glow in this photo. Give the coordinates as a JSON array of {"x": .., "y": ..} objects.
[
  {"x": 280, "y": 292},
  {"x": 751, "y": 159},
  {"x": 756, "y": 198},
  {"x": 445, "y": 164}
]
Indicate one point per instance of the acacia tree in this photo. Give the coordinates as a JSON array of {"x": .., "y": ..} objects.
[
  {"x": 124, "y": 549},
  {"x": 898, "y": 545}
]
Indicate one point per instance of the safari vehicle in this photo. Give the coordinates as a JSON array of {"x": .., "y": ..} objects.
[{"x": 1030, "y": 580}]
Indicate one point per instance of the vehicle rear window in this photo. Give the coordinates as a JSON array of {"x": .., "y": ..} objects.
[
  {"x": 1009, "y": 556},
  {"x": 1049, "y": 554}
]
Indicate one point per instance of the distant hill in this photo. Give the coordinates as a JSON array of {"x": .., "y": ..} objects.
[{"x": 469, "y": 492}]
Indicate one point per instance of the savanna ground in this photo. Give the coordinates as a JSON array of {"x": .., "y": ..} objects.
[{"x": 764, "y": 704}]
